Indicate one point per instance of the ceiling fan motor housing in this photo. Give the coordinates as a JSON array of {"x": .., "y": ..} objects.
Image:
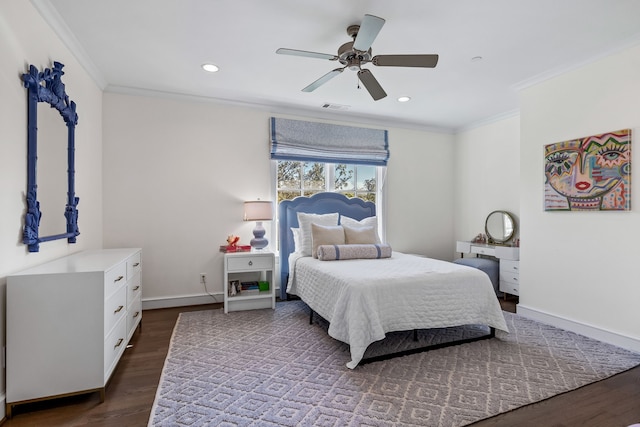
[{"x": 352, "y": 58}]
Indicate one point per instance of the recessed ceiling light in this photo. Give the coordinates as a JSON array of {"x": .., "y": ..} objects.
[
  {"x": 210, "y": 68},
  {"x": 404, "y": 99}
]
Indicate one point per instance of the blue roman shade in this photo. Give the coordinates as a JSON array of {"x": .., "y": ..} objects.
[{"x": 322, "y": 142}]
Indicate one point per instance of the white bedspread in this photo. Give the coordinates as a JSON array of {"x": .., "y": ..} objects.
[{"x": 363, "y": 299}]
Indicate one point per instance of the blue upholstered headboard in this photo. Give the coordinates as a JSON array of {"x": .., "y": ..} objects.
[{"x": 320, "y": 203}]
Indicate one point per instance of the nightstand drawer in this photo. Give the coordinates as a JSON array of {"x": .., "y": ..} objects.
[{"x": 249, "y": 262}]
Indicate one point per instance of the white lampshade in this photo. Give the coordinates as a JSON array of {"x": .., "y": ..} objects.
[{"x": 258, "y": 211}]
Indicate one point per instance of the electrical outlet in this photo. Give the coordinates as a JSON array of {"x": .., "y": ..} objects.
[{"x": 203, "y": 277}]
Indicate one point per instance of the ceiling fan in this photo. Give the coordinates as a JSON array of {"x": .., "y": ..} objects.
[{"x": 356, "y": 53}]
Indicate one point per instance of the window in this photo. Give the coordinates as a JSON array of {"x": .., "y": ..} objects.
[{"x": 296, "y": 178}]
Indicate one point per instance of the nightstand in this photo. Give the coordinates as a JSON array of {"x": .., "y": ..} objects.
[{"x": 244, "y": 267}]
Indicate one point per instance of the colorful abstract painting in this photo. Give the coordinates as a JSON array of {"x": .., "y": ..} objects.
[{"x": 592, "y": 173}]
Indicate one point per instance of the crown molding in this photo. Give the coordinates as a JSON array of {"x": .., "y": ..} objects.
[{"x": 59, "y": 26}]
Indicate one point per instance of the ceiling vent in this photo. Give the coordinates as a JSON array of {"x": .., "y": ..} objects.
[{"x": 329, "y": 106}]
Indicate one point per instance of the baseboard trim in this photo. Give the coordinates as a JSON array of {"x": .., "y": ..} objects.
[
  {"x": 590, "y": 331},
  {"x": 185, "y": 300},
  {"x": 181, "y": 301}
]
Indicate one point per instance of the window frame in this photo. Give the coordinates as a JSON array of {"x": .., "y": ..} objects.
[{"x": 380, "y": 174}]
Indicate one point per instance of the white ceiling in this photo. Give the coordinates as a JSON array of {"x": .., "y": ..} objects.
[{"x": 159, "y": 46}]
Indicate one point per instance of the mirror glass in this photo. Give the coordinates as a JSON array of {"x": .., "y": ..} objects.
[
  {"x": 51, "y": 212},
  {"x": 500, "y": 226},
  {"x": 51, "y": 170}
]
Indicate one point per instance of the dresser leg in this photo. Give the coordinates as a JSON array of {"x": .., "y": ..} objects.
[{"x": 102, "y": 394}]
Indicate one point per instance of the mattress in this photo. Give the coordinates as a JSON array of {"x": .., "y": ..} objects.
[{"x": 363, "y": 299}]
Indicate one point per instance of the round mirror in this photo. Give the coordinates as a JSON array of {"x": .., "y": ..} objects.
[{"x": 500, "y": 227}]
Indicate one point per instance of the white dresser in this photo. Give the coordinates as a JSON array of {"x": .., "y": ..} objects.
[
  {"x": 68, "y": 323},
  {"x": 509, "y": 257}
]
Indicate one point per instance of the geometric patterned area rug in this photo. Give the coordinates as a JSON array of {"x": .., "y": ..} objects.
[{"x": 272, "y": 368}]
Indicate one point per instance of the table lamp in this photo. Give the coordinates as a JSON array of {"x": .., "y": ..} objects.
[{"x": 258, "y": 211}]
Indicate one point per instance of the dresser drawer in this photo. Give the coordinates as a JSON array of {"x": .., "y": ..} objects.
[
  {"x": 134, "y": 315},
  {"x": 249, "y": 262},
  {"x": 134, "y": 265},
  {"x": 114, "y": 345},
  {"x": 134, "y": 288},
  {"x": 114, "y": 278},
  {"x": 114, "y": 309}
]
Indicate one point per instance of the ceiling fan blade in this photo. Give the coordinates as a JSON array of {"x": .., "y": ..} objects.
[
  {"x": 372, "y": 85},
  {"x": 322, "y": 80},
  {"x": 294, "y": 52},
  {"x": 369, "y": 29},
  {"x": 427, "y": 61}
]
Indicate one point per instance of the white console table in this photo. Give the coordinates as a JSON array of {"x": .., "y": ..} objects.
[{"x": 509, "y": 257}]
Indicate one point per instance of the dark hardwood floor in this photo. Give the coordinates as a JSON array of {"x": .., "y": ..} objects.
[{"x": 130, "y": 394}]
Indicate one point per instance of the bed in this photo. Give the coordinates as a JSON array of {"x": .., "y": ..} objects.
[{"x": 363, "y": 299}]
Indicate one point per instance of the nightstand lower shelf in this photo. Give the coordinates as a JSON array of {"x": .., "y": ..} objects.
[{"x": 242, "y": 267}]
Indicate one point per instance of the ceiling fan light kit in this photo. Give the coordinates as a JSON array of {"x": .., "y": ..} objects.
[{"x": 356, "y": 53}]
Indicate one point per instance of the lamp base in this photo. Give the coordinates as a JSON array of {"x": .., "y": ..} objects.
[{"x": 258, "y": 241}]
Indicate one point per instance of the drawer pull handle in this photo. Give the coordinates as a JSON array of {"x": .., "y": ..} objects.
[
  {"x": 118, "y": 279},
  {"x": 136, "y": 264},
  {"x": 119, "y": 343},
  {"x": 118, "y": 310},
  {"x": 136, "y": 315},
  {"x": 136, "y": 288},
  {"x": 250, "y": 262}
]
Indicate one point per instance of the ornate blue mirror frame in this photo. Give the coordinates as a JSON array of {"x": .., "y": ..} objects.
[{"x": 47, "y": 86}]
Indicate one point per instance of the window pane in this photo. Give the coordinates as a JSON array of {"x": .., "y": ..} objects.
[
  {"x": 366, "y": 178},
  {"x": 314, "y": 177},
  {"x": 287, "y": 195},
  {"x": 344, "y": 177},
  {"x": 289, "y": 175}
]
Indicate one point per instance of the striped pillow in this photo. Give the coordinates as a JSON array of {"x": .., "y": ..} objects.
[{"x": 340, "y": 252}]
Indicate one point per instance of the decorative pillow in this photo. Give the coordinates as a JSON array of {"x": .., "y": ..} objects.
[
  {"x": 296, "y": 239},
  {"x": 339, "y": 252},
  {"x": 371, "y": 221},
  {"x": 325, "y": 235},
  {"x": 359, "y": 235},
  {"x": 304, "y": 222}
]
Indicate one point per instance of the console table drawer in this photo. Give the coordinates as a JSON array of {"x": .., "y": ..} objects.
[
  {"x": 509, "y": 266},
  {"x": 510, "y": 287},
  {"x": 483, "y": 250}
]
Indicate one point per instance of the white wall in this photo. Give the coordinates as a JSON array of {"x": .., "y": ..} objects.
[
  {"x": 176, "y": 173},
  {"x": 420, "y": 193},
  {"x": 26, "y": 39},
  {"x": 487, "y": 175},
  {"x": 581, "y": 268}
]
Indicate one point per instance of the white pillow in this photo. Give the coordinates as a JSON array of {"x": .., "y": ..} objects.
[
  {"x": 325, "y": 235},
  {"x": 359, "y": 235},
  {"x": 296, "y": 239},
  {"x": 370, "y": 221},
  {"x": 304, "y": 222}
]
